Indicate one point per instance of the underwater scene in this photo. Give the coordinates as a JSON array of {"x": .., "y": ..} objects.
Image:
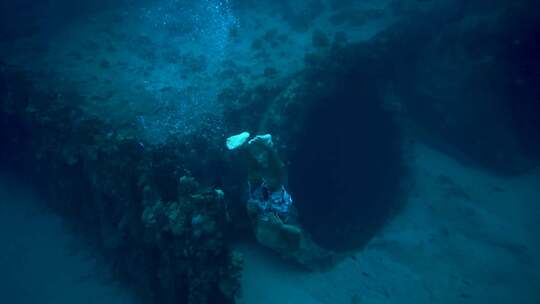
[{"x": 269, "y": 151}]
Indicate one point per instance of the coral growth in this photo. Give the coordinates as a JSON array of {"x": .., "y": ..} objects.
[{"x": 163, "y": 231}]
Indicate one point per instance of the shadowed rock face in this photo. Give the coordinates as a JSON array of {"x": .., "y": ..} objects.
[
  {"x": 343, "y": 149},
  {"x": 346, "y": 167},
  {"x": 345, "y": 163}
]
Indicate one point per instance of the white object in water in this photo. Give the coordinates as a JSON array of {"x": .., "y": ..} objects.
[
  {"x": 236, "y": 141},
  {"x": 264, "y": 140}
]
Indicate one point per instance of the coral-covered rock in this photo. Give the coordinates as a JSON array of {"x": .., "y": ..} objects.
[{"x": 162, "y": 230}]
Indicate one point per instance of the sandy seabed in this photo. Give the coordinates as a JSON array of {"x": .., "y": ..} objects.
[
  {"x": 463, "y": 236},
  {"x": 41, "y": 261}
]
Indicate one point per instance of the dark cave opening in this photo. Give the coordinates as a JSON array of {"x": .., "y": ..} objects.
[{"x": 346, "y": 170}]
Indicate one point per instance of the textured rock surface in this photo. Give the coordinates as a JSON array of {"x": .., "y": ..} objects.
[{"x": 161, "y": 230}]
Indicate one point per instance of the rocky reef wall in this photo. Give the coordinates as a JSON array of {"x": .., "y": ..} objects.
[
  {"x": 162, "y": 231},
  {"x": 442, "y": 74}
]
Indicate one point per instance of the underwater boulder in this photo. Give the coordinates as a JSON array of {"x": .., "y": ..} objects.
[{"x": 343, "y": 149}]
